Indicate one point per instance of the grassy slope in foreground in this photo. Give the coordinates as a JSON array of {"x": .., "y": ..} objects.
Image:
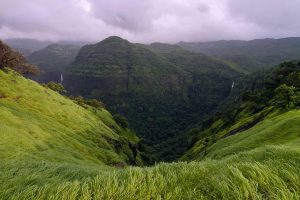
[
  {"x": 276, "y": 129},
  {"x": 282, "y": 130},
  {"x": 44, "y": 156},
  {"x": 41, "y": 125}
]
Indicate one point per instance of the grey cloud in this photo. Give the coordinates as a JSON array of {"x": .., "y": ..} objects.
[
  {"x": 203, "y": 8},
  {"x": 267, "y": 13},
  {"x": 132, "y": 15},
  {"x": 276, "y": 18},
  {"x": 149, "y": 20},
  {"x": 48, "y": 18}
]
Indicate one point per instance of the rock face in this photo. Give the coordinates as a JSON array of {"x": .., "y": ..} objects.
[{"x": 161, "y": 89}]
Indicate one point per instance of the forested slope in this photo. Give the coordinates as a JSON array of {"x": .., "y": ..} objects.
[{"x": 160, "y": 91}]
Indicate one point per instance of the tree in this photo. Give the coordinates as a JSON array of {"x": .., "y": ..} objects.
[
  {"x": 285, "y": 96},
  {"x": 16, "y": 61},
  {"x": 293, "y": 79}
]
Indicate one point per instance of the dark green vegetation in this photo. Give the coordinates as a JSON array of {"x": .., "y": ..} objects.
[
  {"x": 250, "y": 55},
  {"x": 261, "y": 98},
  {"x": 72, "y": 152},
  {"x": 53, "y": 60},
  {"x": 54, "y": 147},
  {"x": 161, "y": 89}
]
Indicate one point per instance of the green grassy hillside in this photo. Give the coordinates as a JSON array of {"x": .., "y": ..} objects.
[
  {"x": 282, "y": 130},
  {"x": 41, "y": 125},
  {"x": 268, "y": 170},
  {"x": 52, "y": 148}
]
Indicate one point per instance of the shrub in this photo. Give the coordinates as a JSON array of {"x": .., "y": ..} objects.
[
  {"x": 79, "y": 100},
  {"x": 121, "y": 120},
  {"x": 55, "y": 86},
  {"x": 94, "y": 103},
  {"x": 88, "y": 102}
]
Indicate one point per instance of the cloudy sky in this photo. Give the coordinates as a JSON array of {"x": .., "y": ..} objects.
[{"x": 149, "y": 20}]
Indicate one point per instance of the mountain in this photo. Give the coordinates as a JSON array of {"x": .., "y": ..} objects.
[
  {"x": 27, "y": 46},
  {"x": 57, "y": 147},
  {"x": 160, "y": 93},
  {"x": 190, "y": 61},
  {"x": 53, "y": 60},
  {"x": 250, "y": 55}
]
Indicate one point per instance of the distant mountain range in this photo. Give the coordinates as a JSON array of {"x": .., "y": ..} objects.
[
  {"x": 28, "y": 46},
  {"x": 53, "y": 61},
  {"x": 250, "y": 55}
]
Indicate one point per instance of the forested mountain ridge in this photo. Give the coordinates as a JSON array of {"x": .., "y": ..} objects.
[
  {"x": 250, "y": 55},
  {"x": 158, "y": 93},
  {"x": 57, "y": 53},
  {"x": 53, "y": 61},
  {"x": 27, "y": 46},
  {"x": 191, "y": 61}
]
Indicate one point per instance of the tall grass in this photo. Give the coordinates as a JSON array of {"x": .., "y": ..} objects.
[
  {"x": 51, "y": 148},
  {"x": 38, "y": 123},
  {"x": 242, "y": 176},
  {"x": 282, "y": 129}
]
